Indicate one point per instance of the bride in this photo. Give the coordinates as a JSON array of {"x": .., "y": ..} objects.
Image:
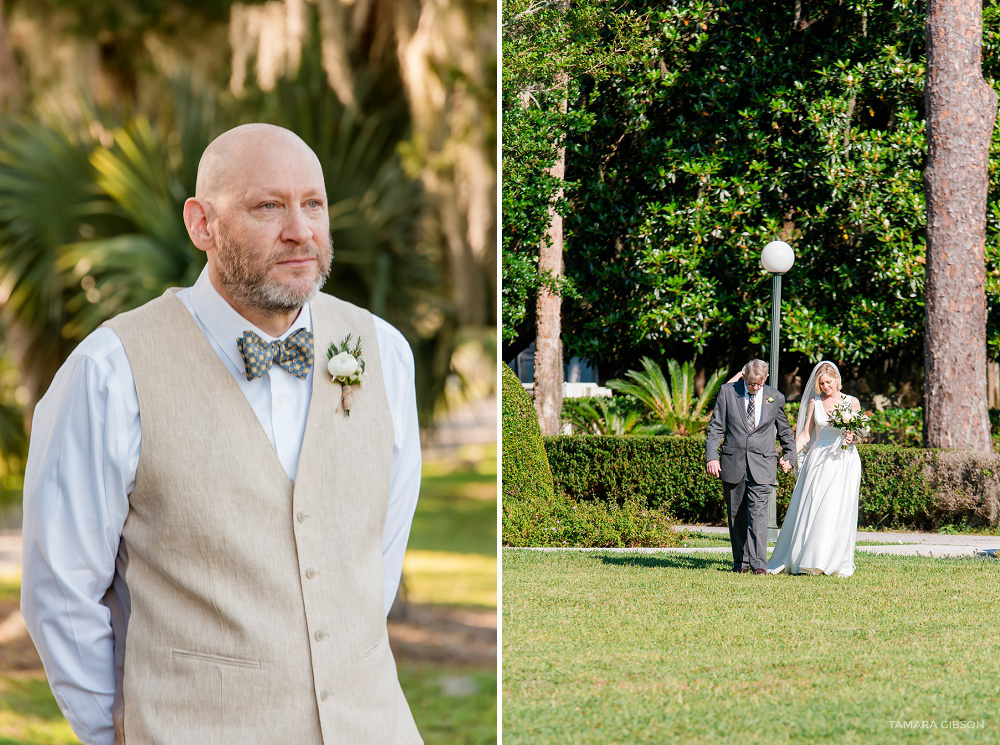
[{"x": 817, "y": 536}]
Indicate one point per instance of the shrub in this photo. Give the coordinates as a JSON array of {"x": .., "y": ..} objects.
[
  {"x": 534, "y": 514},
  {"x": 528, "y": 498},
  {"x": 967, "y": 489},
  {"x": 659, "y": 472},
  {"x": 525, "y": 467},
  {"x": 900, "y": 487}
]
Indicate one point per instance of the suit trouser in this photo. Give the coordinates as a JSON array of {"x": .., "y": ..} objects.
[{"x": 746, "y": 510}]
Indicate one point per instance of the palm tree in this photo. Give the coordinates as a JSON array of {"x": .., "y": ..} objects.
[
  {"x": 672, "y": 403},
  {"x": 600, "y": 416}
]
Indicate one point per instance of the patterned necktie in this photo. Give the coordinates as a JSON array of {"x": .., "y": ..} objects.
[
  {"x": 751, "y": 419},
  {"x": 295, "y": 353}
]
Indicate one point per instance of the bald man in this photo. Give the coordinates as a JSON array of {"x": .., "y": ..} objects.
[{"x": 211, "y": 544}]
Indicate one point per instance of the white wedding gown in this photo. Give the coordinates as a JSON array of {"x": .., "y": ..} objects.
[{"x": 818, "y": 534}]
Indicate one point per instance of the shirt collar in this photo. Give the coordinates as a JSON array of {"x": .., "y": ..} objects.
[{"x": 225, "y": 325}]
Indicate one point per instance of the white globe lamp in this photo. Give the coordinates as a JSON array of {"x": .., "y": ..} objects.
[{"x": 777, "y": 257}]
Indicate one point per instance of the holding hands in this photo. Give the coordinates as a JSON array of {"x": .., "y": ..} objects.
[{"x": 713, "y": 468}]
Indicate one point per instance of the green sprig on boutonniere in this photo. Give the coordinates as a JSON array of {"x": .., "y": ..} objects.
[
  {"x": 346, "y": 368},
  {"x": 770, "y": 399}
]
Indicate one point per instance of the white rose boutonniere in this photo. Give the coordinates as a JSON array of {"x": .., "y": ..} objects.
[
  {"x": 770, "y": 399},
  {"x": 346, "y": 368}
]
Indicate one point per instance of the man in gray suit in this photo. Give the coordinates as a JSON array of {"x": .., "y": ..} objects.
[{"x": 748, "y": 413}]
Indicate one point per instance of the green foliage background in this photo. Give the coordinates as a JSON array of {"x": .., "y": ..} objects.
[{"x": 724, "y": 126}]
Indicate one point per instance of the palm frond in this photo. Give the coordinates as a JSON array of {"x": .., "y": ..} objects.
[
  {"x": 671, "y": 405},
  {"x": 598, "y": 416}
]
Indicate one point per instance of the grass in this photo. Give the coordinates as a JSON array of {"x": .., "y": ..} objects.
[
  {"x": 451, "y": 560},
  {"x": 10, "y": 589},
  {"x": 612, "y": 648},
  {"x": 451, "y": 705},
  {"x": 28, "y": 713},
  {"x": 452, "y": 556}
]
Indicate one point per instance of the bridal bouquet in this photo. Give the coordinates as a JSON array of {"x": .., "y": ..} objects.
[{"x": 845, "y": 418}]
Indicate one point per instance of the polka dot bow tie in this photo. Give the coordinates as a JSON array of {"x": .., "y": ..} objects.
[{"x": 295, "y": 354}]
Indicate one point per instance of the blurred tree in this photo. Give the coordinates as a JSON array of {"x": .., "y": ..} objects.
[
  {"x": 44, "y": 178},
  {"x": 397, "y": 104},
  {"x": 442, "y": 58},
  {"x": 9, "y": 83},
  {"x": 13, "y": 441},
  {"x": 125, "y": 34}
]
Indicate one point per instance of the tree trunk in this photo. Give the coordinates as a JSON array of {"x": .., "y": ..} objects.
[
  {"x": 548, "y": 322},
  {"x": 961, "y": 112},
  {"x": 993, "y": 384},
  {"x": 9, "y": 84}
]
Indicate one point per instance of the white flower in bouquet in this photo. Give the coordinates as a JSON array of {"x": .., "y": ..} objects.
[{"x": 845, "y": 418}]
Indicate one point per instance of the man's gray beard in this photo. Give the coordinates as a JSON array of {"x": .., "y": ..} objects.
[{"x": 249, "y": 284}]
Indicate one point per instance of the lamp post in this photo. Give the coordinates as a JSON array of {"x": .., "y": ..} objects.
[{"x": 777, "y": 258}]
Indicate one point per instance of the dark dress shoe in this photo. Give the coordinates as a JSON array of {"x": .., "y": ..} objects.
[
  {"x": 739, "y": 570},
  {"x": 760, "y": 571}
]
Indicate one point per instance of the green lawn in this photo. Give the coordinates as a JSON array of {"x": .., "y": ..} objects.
[
  {"x": 28, "y": 713},
  {"x": 451, "y": 705},
  {"x": 451, "y": 561},
  {"x": 452, "y": 554},
  {"x": 626, "y": 648},
  {"x": 696, "y": 539}
]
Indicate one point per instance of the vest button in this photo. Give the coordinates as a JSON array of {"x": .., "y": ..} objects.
[
  {"x": 301, "y": 516},
  {"x": 310, "y": 573},
  {"x": 324, "y": 695},
  {"x": 320, "y": 635}
]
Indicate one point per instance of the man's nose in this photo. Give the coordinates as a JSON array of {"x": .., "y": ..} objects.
[{"x": 296, "y": 228}]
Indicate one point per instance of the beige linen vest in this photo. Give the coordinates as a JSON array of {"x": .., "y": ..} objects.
[{"x": 253, "y": 605}]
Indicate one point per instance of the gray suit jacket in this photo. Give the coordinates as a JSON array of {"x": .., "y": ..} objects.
[{"x": 743, "y": 448}]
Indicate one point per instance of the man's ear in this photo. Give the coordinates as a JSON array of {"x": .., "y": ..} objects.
[{"x": 196, "y": 217}]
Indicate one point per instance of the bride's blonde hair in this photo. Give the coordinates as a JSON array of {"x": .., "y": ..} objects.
[{"x": 827, "y": 369}]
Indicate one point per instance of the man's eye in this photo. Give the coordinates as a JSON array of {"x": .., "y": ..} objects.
[
  {"x": 269, "y": 205},
  {"x": 314, "y": 203}
]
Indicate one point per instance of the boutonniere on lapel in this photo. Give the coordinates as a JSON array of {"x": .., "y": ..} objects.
[
  {"x": 346, "y": 368},
  {"x": 769, "y": 399}
]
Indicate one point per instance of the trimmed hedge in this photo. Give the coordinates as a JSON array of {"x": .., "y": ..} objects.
[
  {"x": 900, "y": 487},
  {"x": 535, "y": 514},
  {"x": 524, "y": 467}
]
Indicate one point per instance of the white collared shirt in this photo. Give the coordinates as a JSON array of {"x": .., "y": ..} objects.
[
  {"x": 758, "y": 399},
  {"x": 84, "y": 450}
]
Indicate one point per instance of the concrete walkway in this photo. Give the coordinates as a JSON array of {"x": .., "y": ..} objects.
[{"x": 937, "y": 545}]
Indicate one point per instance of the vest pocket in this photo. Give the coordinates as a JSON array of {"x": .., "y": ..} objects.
[
  {"x": 215, "y": 659},
  {"x": 376, "y": 646}
]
